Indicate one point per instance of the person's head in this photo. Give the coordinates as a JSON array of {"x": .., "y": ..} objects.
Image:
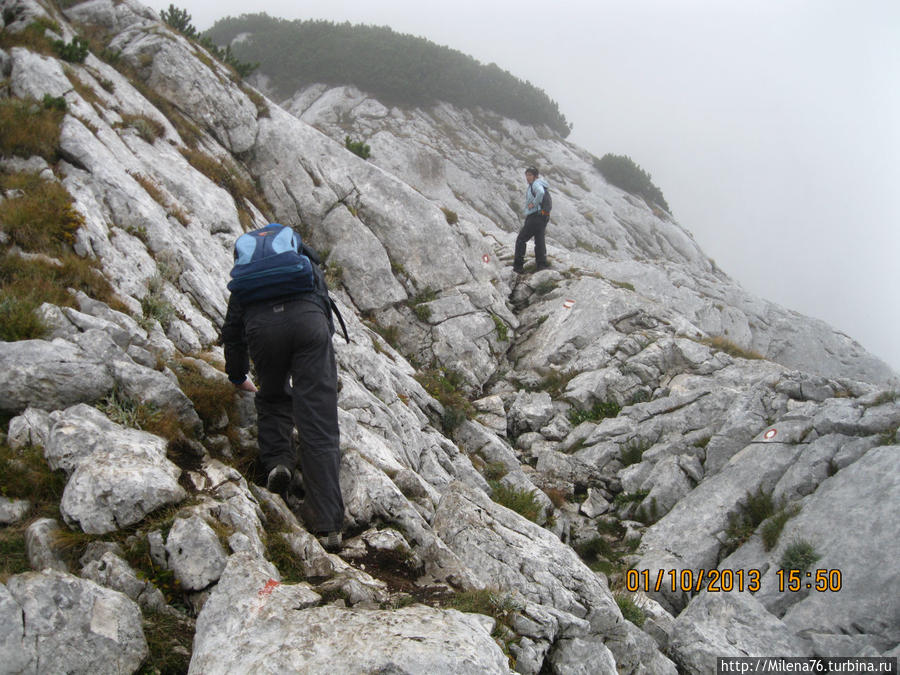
[{"x": 530, "y": 174}]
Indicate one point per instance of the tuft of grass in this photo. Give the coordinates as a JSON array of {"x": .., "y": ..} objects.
[
  {"x": 25, "y": 284},
  {"x": 502, "y": 328},
  {"x": 601, "y": 410},
  {"x": 283, "y": 557},
  {"x": 523, "y": 502},
  {"x": 757, "y": 507},
  {"x": 624, "y": 498},
  {"x": 147, "y": 128},
  {"x": 723, "y": 344},
  {"x": 129, "y": 412},
  {"x": 212, "y": 397},
  {"x": 170, "y": 638},
  {"x": 451, "y": 216},
  {"x": 26, "y": 475},
  {"x": 489, "y": 602},
  {"x": 155, "y": 306},
  {"x": 546, "y": 286},
  {"x": 226, "y": 174},
  {"x": 446, "y": 385},
  {"x": 800, "y": 555},
  {"x": 39, "y": 217},
  {"x": 772, "y": 527},
  {"x": 630, "y": 610},
  {"x": 634, "y": 450}
]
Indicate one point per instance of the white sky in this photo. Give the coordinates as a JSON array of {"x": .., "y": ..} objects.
[{"x": 771, "y": 126}]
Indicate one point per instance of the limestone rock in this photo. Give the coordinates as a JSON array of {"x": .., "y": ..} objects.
[
  {"x": 729, "y": 624},
  {"x": 55, "y": 622},
  {"x": 194, "y": 553}
]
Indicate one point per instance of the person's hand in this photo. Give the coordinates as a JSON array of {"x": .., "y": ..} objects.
[{"x": 246, "y": 385}]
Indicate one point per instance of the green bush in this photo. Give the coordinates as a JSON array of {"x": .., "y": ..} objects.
[
  {"x": 75, "y": 51},
  {"x": 621, "y": 171}
]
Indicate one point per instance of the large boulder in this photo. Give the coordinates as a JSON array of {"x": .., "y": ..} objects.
[
  {"x": 252, "y": 622},
  {"x": 54, "y": 622}
]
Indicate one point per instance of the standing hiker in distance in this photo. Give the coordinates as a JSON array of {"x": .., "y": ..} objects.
[
  {"x": 537, "y": 214},
  {"x": 280, "y": 315}
]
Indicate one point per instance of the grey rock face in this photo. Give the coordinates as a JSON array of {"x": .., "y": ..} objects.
[
  {"x": 728, "y": 624},
  {"x": 55, "y": 622}
]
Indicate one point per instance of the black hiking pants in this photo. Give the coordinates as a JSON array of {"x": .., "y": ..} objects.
[
  {"x": 290, "y": 345},
  {"x": 535, "y": 226}
]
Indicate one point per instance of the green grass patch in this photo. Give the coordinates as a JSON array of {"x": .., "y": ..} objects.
[
  {"x": 30, "y": 128},
  {"x": 170, "y": 639},
  {"x": 502, "y": 328},
  {"x": 446, "y": 385},
  {"x": 634, "y": 450},
  {"x": 773, "y": 526},
  {"x": 756, "y": 507},
  {"x": 601, "y": 410},
  {"x": 25, "y": 474},
  {"x": 630, "y": 610},
  {"x": 523, "y": 502},
  {"x": 283, "y": 557}
]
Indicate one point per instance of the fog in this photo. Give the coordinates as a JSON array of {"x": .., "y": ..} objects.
[{"x": 772, "y": 128}]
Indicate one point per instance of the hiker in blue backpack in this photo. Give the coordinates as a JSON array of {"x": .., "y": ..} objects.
[
  {"x": 537, "y": 215},
  {"x": 280, "y": 315}
]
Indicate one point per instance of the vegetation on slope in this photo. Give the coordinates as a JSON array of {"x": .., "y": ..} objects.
[{"x": 397, "y": 68}]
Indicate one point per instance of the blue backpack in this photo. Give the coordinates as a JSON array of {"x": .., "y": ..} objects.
[
  {"x": 273, "y": 262},
  {"x": 268, "y": 264}
]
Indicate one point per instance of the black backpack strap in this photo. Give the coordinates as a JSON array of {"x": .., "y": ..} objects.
[{"x": 337, "y": 313}]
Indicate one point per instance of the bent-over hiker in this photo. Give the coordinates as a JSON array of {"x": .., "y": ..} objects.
[
  {"x": 535, "y": 223},
  {"x": 280, "y": 315}
]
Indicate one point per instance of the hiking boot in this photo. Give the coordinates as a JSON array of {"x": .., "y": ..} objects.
[
  {"x": 332, "y": 541},
  {"x": 543, "y": 266},
  {"x": 278, "y": 480},
  {"x": 518, "y": 269}
]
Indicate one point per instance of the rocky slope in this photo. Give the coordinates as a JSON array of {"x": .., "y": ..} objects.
[{"x": 599, "y": 398}]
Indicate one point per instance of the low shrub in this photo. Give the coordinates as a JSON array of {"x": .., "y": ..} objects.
[
  {"x": 75, "y": 51},
  {"x": 621, "y": 171}
]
